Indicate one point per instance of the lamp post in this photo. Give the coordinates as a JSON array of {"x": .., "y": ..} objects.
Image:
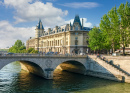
[{"x": 87, "y": 51}]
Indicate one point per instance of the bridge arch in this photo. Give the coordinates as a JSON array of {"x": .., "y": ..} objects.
[
  {"x": 72, "y": 66},
  {"x": 28, "y": 66}
]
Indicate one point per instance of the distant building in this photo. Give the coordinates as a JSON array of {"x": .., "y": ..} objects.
[{"x": 69, "y": 38}]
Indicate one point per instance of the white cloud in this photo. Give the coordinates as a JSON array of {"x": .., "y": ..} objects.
[
  {"x": 1, "y": 3},
  {"x": 51, "y": 0},
  {"x": 85, "y": 23},
  {"x": 32, "y": 10},
  {"x": 97, "y": 25},
  {"x": 10, "y": 34},
  {"x": 81, "y": 4}
]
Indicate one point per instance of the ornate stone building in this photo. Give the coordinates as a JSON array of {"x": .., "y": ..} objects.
[{"x": 69, "y": 38}]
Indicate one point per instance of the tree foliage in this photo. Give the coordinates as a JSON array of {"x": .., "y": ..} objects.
[
  {"x": 19, "y": 47},
  {"x": 32, "y": 50},
  {"x": 115, "y": 25},
  {"x": 96, "y": 39},
  {"x": 110, "y": 26},
  {"x": 124, "y": 13},
  {"x": 105, "y": 28}
]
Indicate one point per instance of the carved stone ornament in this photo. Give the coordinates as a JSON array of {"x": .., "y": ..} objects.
[{"x": 48, "y": 63}]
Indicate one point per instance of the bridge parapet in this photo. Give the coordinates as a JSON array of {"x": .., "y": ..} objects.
[{"x": 40, "y": 55}]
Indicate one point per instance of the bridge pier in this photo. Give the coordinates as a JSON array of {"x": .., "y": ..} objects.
[{"x": 48, "y": 73}]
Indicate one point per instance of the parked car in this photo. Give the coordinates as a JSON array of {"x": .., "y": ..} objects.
[
  {"x": 67, "y": 54},
  {"x": 49, "y": 53},
  {"x": 56, "y": 53},
  {"x": 10, "y": 53},
  {"x": 82, "y": 53}
]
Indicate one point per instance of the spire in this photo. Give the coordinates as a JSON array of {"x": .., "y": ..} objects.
[
  {"x": 77, "y": 20},
  {"x": 40, "y": 26},
  {"x": 39, "y": 20}
]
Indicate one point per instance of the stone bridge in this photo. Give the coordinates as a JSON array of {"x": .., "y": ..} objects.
[{"x": 44, "y": 66}]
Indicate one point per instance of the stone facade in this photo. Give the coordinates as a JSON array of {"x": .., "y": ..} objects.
[{"x": 69, "y": 38}]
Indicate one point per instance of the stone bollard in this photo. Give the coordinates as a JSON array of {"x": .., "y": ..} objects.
[
  {"x": 123, "y": 79},
  {"x": 118, "y": 66},
  {"x": 104, "y": 58},
  {"x": 111, "y": 62}
]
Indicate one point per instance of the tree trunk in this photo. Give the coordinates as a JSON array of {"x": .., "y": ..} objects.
[
  {"x": 108, "y": 52},
  {"x": 99, "y": 51},
  {"x": 123, "y": 51}
]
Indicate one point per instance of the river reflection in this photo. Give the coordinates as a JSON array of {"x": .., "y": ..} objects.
[{"x": 13, "y": 81}]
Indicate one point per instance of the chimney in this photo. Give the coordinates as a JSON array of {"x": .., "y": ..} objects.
[{"x": 82, "y": 23}]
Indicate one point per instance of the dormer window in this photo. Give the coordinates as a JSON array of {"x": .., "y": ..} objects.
[{"x": 76, "y": 27}]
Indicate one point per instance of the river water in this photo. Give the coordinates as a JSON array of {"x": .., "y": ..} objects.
[{"x": 13, "y": 80}]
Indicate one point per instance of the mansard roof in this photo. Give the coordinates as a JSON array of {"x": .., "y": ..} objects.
[
  {"x": 77, "y": 20},
  {"x": 87, "y": 28}
]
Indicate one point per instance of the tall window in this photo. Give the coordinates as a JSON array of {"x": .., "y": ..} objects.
[
  {"x": 76, "y": 27},
  {"x": 61, "y": 41},
  {"x": 76, "y": 40},
  {"x": 58, "y": 43}
]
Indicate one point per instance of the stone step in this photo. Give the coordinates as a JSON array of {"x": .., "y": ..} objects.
[{"x": 117, "y": 68}]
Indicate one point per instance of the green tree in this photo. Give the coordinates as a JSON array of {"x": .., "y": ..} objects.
[
  {"x": 110, "y": 25},
  {"x": 96, "y": 39},
  {"x": 124, "y": 13},
  {"x": 18, "y": 47},
  {"x": 105, "y": 28},
  {"x": 32, "y": 50},
  {"x": 114, "y": 28}
]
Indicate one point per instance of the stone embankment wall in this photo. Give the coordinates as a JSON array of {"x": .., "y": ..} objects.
[{"x": 107, "y": 70}]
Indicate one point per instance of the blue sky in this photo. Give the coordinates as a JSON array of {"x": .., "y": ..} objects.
[{"x": 18, "y": 18}]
